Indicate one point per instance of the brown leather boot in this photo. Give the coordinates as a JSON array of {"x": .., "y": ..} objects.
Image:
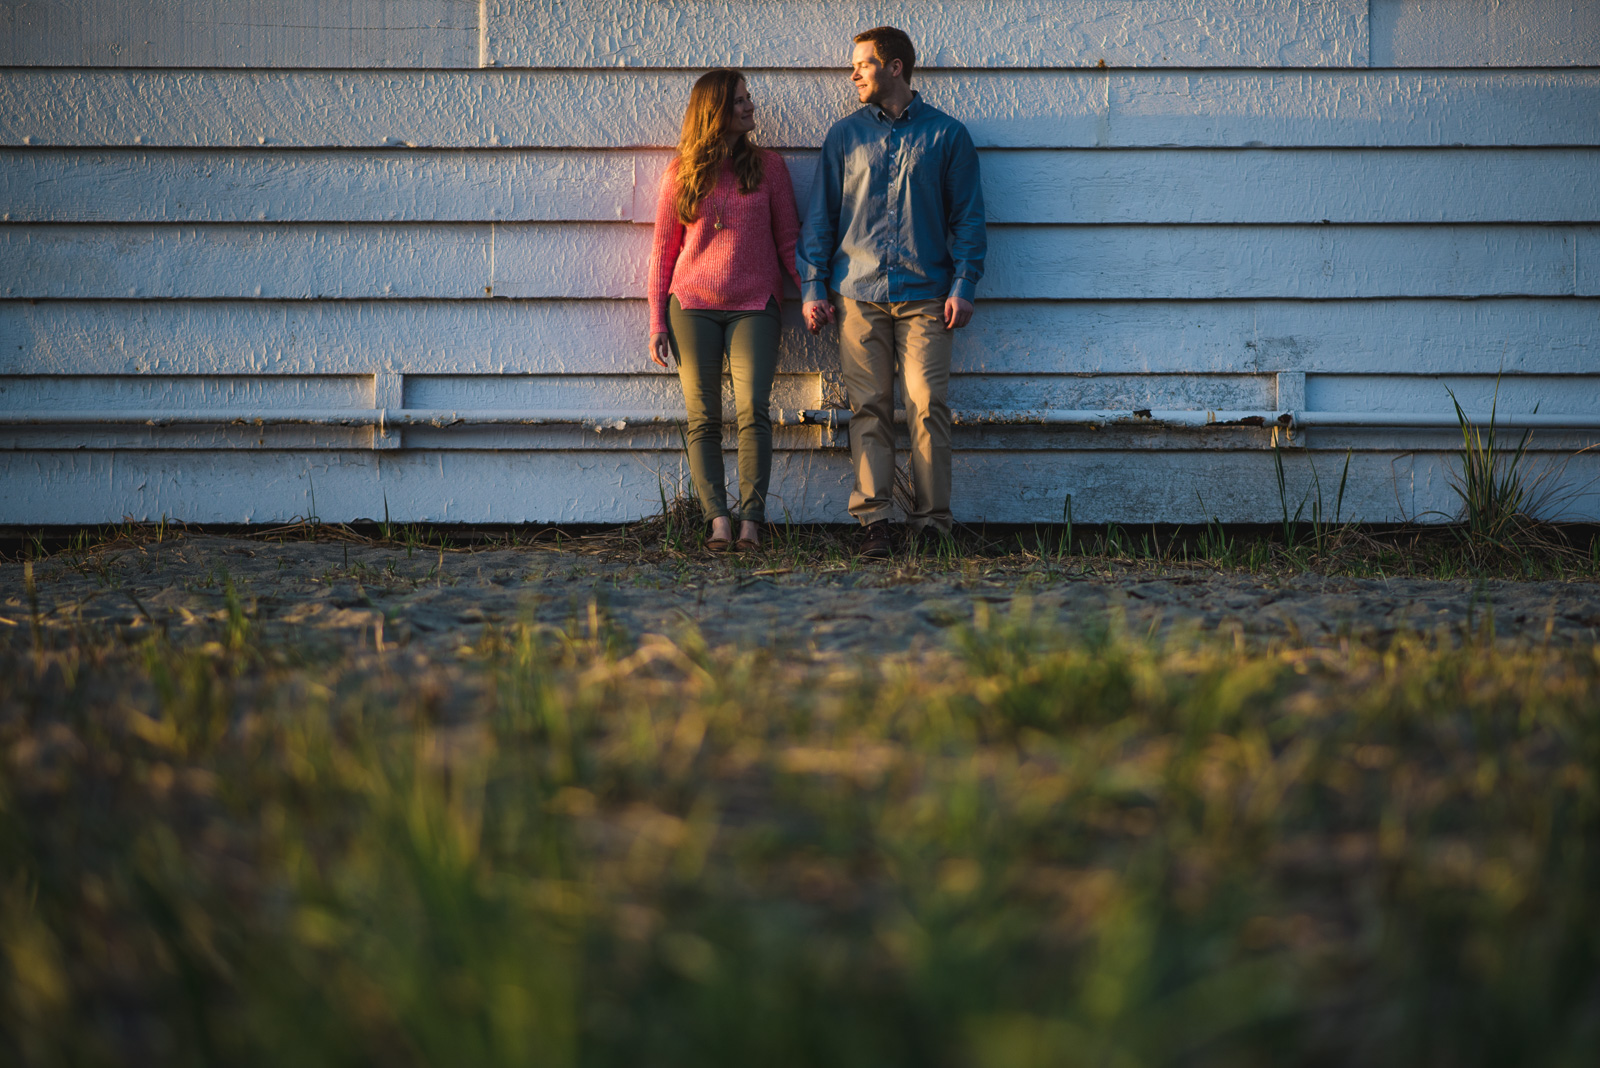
[{"x": 877, "y": 542}]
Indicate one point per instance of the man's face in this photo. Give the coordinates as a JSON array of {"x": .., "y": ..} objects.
[{"x": 869, "y": 76}]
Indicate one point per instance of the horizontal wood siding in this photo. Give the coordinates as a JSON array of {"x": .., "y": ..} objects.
[
  {"x": 316, "y": 261},
  {"x": 1072, "y": 185},
  {"x": 334, "y": 205},
  {"x": 240, "y": 33},
  {"x": 1485, "y": 33},
  {"x": 398, "y": 34},
  {"x": 974, "y": 33},
  {"x": 1519, "y": 335},
  {"x": 641, "y": 108},
  {"x": 492, "y": 486}
]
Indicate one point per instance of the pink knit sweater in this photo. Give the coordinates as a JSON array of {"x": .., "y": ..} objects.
[{"x": 736, "y": 268}]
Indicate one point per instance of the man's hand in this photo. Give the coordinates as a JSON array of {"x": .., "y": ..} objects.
[
  {"x": 818, "y": 313},
  {"x": 957, "y": 313},
  {"x": 660, "y": 347}
]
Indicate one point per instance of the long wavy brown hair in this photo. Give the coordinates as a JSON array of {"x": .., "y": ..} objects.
[{"x": 701, "y": 148}]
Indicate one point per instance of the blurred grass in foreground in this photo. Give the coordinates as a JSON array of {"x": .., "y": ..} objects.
[{"x": 566, "y": 848}]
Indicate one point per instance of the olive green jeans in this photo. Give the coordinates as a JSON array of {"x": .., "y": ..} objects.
[{"x": 700, "y": 337}]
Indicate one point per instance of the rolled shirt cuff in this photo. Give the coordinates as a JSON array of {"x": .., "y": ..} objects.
[
  {"x": 965, "y": 288},
  {"x": 810, "y": 291}
]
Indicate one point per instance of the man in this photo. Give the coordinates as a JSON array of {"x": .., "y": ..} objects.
[{"x": 892, "y": 249}]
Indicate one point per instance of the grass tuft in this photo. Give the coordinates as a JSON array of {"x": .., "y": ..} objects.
[{"x": 1505, "y": 504}]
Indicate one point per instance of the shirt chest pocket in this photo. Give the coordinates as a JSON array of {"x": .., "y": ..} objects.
[{"x": 909, "y": 158}]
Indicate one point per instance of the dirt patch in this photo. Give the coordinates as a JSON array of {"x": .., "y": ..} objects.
[{"x": 436, "y": 602}]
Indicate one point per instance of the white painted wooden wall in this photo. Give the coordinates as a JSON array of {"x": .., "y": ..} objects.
[{"x": 1194, "y": 204}]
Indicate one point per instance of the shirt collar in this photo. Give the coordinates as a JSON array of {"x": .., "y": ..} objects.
[{"x": 908, "y": 114}]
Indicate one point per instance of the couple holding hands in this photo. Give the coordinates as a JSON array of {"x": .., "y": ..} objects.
[{"x": 891, "y": 249}]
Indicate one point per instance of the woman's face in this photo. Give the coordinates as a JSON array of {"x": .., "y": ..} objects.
[{"x": 741, "y": 112}]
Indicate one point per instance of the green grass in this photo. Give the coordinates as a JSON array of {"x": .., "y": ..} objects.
[{"x": 569, "y": 847}]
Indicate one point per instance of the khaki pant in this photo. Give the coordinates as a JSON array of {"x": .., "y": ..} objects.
[{"x": 876, "y": 341}]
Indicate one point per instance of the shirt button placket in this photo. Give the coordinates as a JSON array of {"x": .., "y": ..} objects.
[{"x": 894, "y": 228}]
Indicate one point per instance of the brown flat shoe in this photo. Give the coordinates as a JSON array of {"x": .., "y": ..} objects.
[{"x": 746, "y": 545}]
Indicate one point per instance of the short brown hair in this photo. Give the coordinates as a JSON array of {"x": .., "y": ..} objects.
[{"x": 890, "y": 44}]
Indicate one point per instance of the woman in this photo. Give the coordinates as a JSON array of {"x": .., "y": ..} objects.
[{"x": 725, "y": 232}]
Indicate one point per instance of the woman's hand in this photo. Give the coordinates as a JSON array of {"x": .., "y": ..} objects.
[
  {"x": 660, "y": 348},
  {"x": 817, "y": 314}
]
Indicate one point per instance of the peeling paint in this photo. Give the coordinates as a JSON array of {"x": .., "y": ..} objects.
[
  {"x": 977, "y": 33},
  {"x": 630, "y": 109},
  {"x": 212, "y": 33}
]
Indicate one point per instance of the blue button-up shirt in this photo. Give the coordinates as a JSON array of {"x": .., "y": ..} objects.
[{"x": 896, "y": 210}]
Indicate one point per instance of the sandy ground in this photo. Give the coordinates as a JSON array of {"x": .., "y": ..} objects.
[{"x": 432, "y": 602}]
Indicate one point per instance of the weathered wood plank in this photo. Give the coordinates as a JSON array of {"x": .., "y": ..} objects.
[
  {"x": 1192, "y": 487},
  {"x": 353, "y": 34},
  {"x": 265, "y": 185},
  {"x": 1400, "y": 392},
  {"x": 260, "y": 486},
  {"x": 32, "y": 393},
  {"x": 645, "y": 391},
  {"x": 641, "y": 391},
  {"x": 183, "y": 392},
  {"x": 1323, "y": 262},
  {"x": 247, "y": 261},
  {"x": 1428, "y": 108},
  {"x": 1546, "y": 449},
  {"x": 1303, "y": 185},
  {"x": 227, "y": 33},
  {"x": 1485, "y": 33},
  {"x": 535, "y": 260},
  {"x": 811, "y": 439},
  {"x": 607, "y": 337},
  {"x": 999, "y": 393},
  {"x": 975, "y": 33},
  {"x": 1020, "y": 186},
  {"x": 508, "y": 438},
  {"x": 299, "y": 337},
  {"x": 593, "y": 260},
  {"x": 617, "y": 109},
  {"x": 188, "y": 439},
  {"x": 1416, "y": 336}
]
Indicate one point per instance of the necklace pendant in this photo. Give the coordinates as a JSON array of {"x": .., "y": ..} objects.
[{"x": 717, "y": 225}]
